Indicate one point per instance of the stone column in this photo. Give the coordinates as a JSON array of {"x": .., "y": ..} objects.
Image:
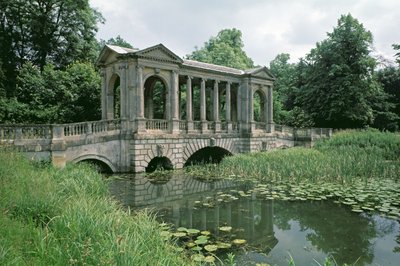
[
  {"x": 174, "y": 102},
  {"x": 203, "y": 104},
  {"x": 189, "y": 102},
  {"x": 174, "y": 96},
  {"x": 251, "y": 109},
  {"x": 228, "y": 106},
  {"x": 141, "y": 122},
  {"x": 216, "y": 106},
  {"x": 122, "y": 88},
  {"x": 103, "y": 94},
  {"x": 270, "y": 118}
]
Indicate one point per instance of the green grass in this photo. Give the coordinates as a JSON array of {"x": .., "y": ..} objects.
[
  {"x": 60, "y": 217},
  {"x": 347, "y": 157}
]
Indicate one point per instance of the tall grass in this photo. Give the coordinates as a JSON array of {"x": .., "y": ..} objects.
[
  {"x": 348, "y": 156},
  {"x": 65, "y": 217}
]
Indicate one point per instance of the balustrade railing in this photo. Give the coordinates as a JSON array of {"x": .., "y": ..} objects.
[
  {"x": 183, "y": 125},
  {"x": 156, "y": 124},
  {"x": 235, "y": 126},
  {"x": 12, "y": 132},
  {"x": 94, "y": 127},
  {"x": 260, "y": 125},
  {"x": 210, "y": 125},
  {"x": 224, "y": 126},
  {"x": 284, "y": 129},
  {"x": 197, "y": 125}
]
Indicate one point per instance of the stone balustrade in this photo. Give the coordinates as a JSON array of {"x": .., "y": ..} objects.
[
  {"x": 13, "y": 132},
  {"x": 56, "y": 131},
  {"x": 156, "y": 124}
]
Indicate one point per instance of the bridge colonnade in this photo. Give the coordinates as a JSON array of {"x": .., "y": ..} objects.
[
  {"x": 195, "y": 97},
  {"x": 156, "y": 105}
]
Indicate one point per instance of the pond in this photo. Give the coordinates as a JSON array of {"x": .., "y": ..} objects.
[{"x": 274, "y": 230}]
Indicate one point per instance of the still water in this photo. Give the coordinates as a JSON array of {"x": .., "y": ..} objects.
[{"x": 307, "y": 231}]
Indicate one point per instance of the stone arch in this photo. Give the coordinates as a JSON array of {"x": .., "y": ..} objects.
[
  {"x": 114, "y": 96},
  {"x": 159, "y": 162},
  {"x": 227, "y": 144},
  {"x": 259, "y": 106},
  {"x": 209, "y": 154},
  {"x": 160, "y": 150},
  {"x": 155, "y": 88},
  {"x": 95, "y": 157}
]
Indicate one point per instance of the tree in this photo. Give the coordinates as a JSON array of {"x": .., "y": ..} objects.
[
  {"x": 389, "y": 79},
  {"x": 397, "y": 55},
  {"x": 226, "y": 49},
  {"x": 46, "y": 31},
  {"x": 51, "y": 95},
  {"x": 285, "y": 74},
  {"x": 338, "y": 89},
  {"x": 118, "y": 41}
]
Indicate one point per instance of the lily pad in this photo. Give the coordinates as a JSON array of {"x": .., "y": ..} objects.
[
  {"x": 239, "y": 241},
  {"x": 223, "y": 245},
  {"x": 201, "y": 241},
  {"x": 193, "y": 231},
  {"x": 198, "y": 257},
  {"x": 210, "y": 248},
  {"x": 179, "y": 234},
  {"x": 225, "y": 228},
  {"x": 205, "y": 233},
  {"x": 209, "y": 259}
]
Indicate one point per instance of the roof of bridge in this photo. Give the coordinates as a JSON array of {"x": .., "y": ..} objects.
[{"x": 161, "y": 53}]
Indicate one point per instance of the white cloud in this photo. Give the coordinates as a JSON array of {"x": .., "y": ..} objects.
[{"x": 269, "y": 27}]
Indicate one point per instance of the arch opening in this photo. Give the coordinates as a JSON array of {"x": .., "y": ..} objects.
[
  {"x": 155, "y": 94},
  {"x": 207, "y": 155},
  {"x": 114, "y": 97},
  {"x": 159, "y": 163},
  {"x": 259, "y": 106},
  {"x": 97, "y": 165}
]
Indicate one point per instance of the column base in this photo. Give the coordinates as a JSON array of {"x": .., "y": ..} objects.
[{"x": 270, "y": 127}]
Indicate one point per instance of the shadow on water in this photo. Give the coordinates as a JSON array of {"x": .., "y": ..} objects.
[{"x": 307, "y": 230}]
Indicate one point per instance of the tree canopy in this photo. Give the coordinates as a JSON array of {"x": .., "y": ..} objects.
[
  {"x": 46, "y": 31},
  {"x": 339, "y": 90},
  {"x": 225, "y": 49}
]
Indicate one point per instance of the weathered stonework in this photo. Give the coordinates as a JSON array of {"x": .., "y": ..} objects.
[{"x": 129, "y": 138}]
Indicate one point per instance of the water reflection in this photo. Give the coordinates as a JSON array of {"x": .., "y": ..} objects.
[{"x": 308, "y": 231}]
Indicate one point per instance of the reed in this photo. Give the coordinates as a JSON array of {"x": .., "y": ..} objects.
[
  {"x": 61, "y": 217},
  {"x": 348, "y": 156}
]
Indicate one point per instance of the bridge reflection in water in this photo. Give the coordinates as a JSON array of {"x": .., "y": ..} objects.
[
  {"x": 175, "y": 202},
  {"x": 309, "y": 231}
]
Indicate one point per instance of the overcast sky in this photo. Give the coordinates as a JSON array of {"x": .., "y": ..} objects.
[{"x": 269, "y": 27}]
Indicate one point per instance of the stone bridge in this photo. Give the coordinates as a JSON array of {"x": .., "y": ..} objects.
[{"x": 156, "y": 105}]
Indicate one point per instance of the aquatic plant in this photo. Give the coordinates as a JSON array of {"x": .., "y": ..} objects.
[{"x": 65, "y": 216}]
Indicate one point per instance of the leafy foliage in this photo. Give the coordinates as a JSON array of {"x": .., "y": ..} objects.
[
  {"x": 46, "y": 31},
  {"x": 339, "y": 90},
  {"x": 70, "y": 95},
  {"x": 226, "y": 49},
  {"x": 118, "y": 41},
  {"x": 397, "y": 48}
]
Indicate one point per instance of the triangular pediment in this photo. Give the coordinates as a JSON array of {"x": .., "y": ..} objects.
[
  {"x": 160, "y": 53},
  {"x": 262, "y": 72},
  {"x": 110, "y": 53}
]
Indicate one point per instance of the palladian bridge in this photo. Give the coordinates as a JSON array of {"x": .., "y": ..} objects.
[{"x": 158, "y": 107}]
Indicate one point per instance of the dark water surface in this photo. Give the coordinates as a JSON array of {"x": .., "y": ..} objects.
[{"x": 308, "y": 231}]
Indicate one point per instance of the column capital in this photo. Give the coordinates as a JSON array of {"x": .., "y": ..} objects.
[
  {"x": 139, "y": 67},
  {"x": 189, "y": 77},
  {"x": 203, "y": 79},
  {"x": 216, "y": 81}
]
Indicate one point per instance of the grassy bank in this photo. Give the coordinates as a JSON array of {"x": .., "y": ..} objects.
[
  {"x": 348, "y": 156},
  {"x": 61, "y": 217}
]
